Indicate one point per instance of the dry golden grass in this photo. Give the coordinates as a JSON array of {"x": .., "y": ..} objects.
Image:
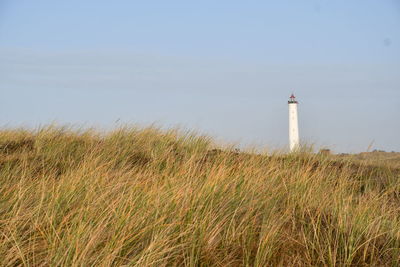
[{"x": 145, "y": 197}]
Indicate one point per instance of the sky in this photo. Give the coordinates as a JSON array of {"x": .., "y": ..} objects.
[{"x": 222, "y": 68}]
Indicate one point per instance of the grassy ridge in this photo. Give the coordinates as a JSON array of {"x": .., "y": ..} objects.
[{"x": 154, "y": 198}]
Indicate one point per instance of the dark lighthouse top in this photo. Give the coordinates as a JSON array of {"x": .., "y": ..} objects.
[{"x": 292, "y": 100}]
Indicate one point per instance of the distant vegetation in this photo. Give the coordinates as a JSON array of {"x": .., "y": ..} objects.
[
  {"x": 376, "y": 157},
  {"x": 145, "y": 197}
]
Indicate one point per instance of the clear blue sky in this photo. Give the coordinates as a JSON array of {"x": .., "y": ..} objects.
[{"x": 225, "y": 68}]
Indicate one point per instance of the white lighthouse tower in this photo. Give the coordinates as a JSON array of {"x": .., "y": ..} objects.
[{"x": 293, "y": 124}]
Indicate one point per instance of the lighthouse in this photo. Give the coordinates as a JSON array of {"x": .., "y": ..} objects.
[{"x": 293, "y": 124}]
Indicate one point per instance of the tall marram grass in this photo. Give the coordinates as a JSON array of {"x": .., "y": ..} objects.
[{"x": 146, "y": 197}]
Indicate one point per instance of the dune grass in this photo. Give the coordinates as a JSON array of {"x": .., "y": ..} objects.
[{"x": 146, "y": 197}]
